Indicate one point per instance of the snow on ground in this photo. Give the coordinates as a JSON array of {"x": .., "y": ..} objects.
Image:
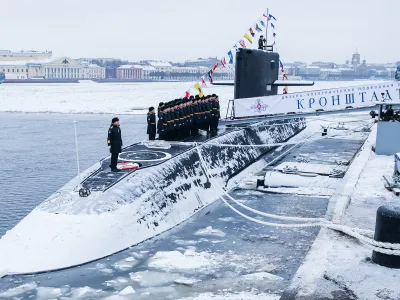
[
  {"x": 116, "y": 98},
  {"x": 339, "y": 266}
]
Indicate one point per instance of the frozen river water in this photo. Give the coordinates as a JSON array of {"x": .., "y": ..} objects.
[{"x": 119, "y": 98}]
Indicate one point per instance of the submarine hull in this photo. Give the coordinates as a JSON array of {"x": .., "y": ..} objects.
[{"x": 67, "y": 230}]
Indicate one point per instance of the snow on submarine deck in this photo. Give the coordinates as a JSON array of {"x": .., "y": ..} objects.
[{"x": 67, "y": 230}]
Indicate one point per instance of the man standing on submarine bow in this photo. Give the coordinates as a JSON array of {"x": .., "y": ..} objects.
[
  {"x": 151, "y": 124},
  {"x": 114, "y": 140}
]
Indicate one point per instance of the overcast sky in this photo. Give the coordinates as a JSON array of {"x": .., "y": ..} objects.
[{"x": 177, "y": 30}]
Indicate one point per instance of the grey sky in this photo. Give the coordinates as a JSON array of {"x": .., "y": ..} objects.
[{"x": 178, "y": 30}]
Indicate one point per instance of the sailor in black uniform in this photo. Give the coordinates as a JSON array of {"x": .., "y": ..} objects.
[
  {"x": 207, "y": 114},
  {"x": 160, "y": 122},
  {"x": 166, "y": 121},
  {"x": 151, "y": 124},
  {"x": 114, "y": 140},
  {"x": 215, "y": 115},
  {"x": 261, "y": 42},
  {"x": 177, "y": 123},
  {"x": 171, "y": 120},
  {"x": 195, "y": 121},
  {"x": 388, "y": 115}
]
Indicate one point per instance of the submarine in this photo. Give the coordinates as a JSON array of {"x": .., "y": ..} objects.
[{"x": 99, "y": 212}]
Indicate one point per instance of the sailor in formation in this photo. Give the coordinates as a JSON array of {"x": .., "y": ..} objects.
[
  {"x": 151, "y": 124},
  {"x": 181, "y": 118},
  {"x": 114, "y": 141}
]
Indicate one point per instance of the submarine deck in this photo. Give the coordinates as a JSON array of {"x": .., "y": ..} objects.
[{"x": 147, "y": 156}]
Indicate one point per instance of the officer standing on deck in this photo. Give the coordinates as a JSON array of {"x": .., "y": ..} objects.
[
  {"x": 114, "y": 140},
  {"x": 151, "y": 124},
  {"x": 261, "y": 42}
]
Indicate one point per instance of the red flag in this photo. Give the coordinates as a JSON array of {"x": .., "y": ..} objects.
[
  {"x": 187, "y": 94},
  {"x": 223, "y": 62},
  {"x": 269, "y": 19},
  {"x": 242, "y": 43},
  {"x": 203, "y": 83},
  {"x": 215, "y": 67}
]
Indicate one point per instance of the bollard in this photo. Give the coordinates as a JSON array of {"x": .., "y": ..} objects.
[{"x": 387, "y": 230}]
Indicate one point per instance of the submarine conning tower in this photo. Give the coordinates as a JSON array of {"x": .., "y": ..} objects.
[
  {"x": 256, "y": 74},
  {"x": 256, "y": 71}
]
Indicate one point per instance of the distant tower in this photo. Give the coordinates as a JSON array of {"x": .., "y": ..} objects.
[{"x": 356, "y": 59}]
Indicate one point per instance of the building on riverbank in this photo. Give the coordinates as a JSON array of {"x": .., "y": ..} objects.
[
  {"x": 51, "y": 68},
  {"x": 130, "y": 72}
]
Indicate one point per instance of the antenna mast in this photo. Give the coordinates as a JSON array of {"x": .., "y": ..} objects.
[{"x": 266, "y": 31}]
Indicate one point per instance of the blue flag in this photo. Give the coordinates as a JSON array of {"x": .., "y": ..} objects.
[
  {"x": 262, "y": 23},
  {"x": 236, "y": 48},
  {"x": 230, "y": 57},
  {"x": 272, "y": 25},
  {"x": 272, "y": 17},
  {"x": 258, "y": 28}
]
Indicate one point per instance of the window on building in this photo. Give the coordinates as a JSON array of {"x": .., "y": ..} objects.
[{"x": 13, "y": 70}]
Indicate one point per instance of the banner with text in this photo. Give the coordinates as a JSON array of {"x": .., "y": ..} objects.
[{"x": 327, "y": 100}]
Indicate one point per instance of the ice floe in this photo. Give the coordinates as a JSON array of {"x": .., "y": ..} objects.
[
  {"x": 209, "y": 231},
  {"x": 175, "y": 260},
  {"x": 153, "y": 278},
  {"x": 18, "y": 290},
  {"x": 48, "y": 293},
  {"x": 127, "y": 291}
]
